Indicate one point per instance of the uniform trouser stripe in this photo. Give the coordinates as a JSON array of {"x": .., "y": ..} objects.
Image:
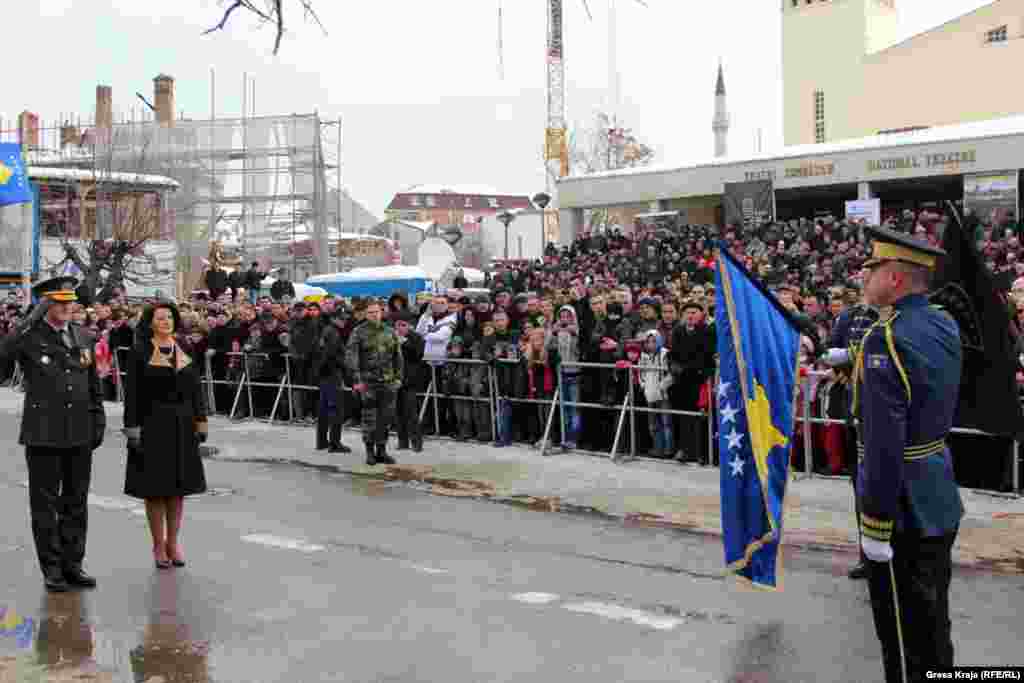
[{"x": 899, "y": 625}]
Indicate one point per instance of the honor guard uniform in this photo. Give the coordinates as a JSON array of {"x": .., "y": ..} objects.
[
  {"x": 62, "y": 423},
  {"x": 906, "y": 378},
  {"x": 844, "y": 345}
]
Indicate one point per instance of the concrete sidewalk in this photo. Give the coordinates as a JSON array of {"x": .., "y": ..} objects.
[{"x": 819, "y": 511}]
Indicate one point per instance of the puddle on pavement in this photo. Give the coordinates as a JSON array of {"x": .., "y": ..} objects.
[{"x": 61, "y": 641}]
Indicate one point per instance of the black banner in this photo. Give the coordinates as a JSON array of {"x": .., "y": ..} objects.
[{"x": 748, "y": 203}]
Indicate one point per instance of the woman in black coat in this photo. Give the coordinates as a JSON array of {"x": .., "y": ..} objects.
[{"x": 165, "y": 421}]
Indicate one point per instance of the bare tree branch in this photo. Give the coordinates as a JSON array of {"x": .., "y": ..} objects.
[{"x": 272, "y": 14}]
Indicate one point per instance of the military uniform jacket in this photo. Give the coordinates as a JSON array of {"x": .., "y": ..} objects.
[
  {"x": 907, "y": 377},
  {"x": 63, "y": 399},
  {"x": 374, "y": 355}
]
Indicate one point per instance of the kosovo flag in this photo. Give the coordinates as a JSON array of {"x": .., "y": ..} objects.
[
  {"x": 14, "y": 187},
  {"x": 758, "y": 343}
]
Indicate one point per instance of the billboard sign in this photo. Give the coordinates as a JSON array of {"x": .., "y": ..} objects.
[
  {"x": 991, "y": 197},
  {"x": 749, "y": 203},
  {"x": 867, "y": 211}
]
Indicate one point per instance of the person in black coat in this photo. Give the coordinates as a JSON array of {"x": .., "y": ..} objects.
[
  {"x": 692, "y": 360},
  {"x": 164, "y": 421},
  {"x": 62, "y": 423},
  {"x": 331, "y": 373},
  {"x": 253, "y": 278},
  {"x": 414, "y": 382}
]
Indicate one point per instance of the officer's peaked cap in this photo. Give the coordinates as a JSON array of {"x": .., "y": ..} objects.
[
  {"x": 889, "y": 245},
  {"x": 59, "y": 289}
]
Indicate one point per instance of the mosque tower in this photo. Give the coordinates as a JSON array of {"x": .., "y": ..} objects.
[{"x": 720, "y": 124}]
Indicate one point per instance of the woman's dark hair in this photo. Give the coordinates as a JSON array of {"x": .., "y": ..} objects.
[{"x": 144, "y": 332}]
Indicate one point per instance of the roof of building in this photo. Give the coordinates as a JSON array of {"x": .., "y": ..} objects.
[
  {"x": 471, "y": 190},
  {"x": 89, "y": 175},
  {"x": 992, "y": 128},
  {"x": 904, "y": 40}
]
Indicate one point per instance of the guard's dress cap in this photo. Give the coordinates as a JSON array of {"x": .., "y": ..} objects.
[
  {"x": 889, "y": 245},
  {"x": 58, "y": 289}
]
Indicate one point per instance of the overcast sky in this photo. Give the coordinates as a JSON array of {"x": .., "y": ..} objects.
[{"x": 416, "y": 83}]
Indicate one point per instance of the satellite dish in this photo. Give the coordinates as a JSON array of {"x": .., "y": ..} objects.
[{"x": 436, "y": 256}]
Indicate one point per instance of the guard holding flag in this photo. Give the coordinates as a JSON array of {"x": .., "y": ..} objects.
[
  {"x": 61, "y": 425},
  {"x": 906, "y": 378}
]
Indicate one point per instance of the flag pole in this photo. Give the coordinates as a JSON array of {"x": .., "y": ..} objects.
[{"x": 27, "y": 234}]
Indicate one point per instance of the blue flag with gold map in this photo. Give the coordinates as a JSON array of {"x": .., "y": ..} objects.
[
  {"x": 14, "y": 187},
  {"x": 758, "y": 346}
]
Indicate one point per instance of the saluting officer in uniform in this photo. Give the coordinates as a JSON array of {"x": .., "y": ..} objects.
[
  {"x": 62, "y": 424},
  {"x": 844, "y": 344},
  {"x": 906, "y": 379}
]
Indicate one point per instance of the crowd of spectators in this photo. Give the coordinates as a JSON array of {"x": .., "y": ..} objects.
[{"x": 640, "y": 303}]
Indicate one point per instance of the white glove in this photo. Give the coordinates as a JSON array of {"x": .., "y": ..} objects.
[
  {"x": 836, "y": 357},
  {"x": 876, "y": 551},
  {"x": 210, "y": 353}
]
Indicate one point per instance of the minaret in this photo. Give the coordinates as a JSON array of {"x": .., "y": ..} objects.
[{"x": 720, "y": 124}]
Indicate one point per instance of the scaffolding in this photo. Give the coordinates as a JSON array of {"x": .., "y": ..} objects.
[{"x": 257, "y": 184}]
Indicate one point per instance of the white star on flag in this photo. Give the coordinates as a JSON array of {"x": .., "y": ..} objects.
[
  {"x": 734, "y": 438},
  {"x": 723, "y": 389},
  {"x": 737, "y": 466},
  {"x": 729, "y": 414}
]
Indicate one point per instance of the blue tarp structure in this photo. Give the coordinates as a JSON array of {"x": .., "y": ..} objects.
[{"x": 379, "y": 282}]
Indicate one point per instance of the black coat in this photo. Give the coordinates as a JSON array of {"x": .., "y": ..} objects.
[
  {"x": 167, "y": 406},
  {"x": 693, "y": 360},
  {"x": 63, "y": 398}
]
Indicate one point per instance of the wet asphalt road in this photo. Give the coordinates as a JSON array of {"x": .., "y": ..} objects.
[{"x": 297, "y": 575}]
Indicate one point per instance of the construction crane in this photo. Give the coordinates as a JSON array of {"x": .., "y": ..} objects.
[{"x": 556, "y": 150}]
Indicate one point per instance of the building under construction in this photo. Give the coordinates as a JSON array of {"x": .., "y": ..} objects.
[{"x": 257, "y": 184}]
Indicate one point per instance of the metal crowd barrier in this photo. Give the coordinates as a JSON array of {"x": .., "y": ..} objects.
[
  {"x": 625, "y": 410},
  {"x": 807, "y": 421}
]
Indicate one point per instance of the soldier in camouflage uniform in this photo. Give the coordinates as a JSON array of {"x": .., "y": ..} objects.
[{"x": 375, "y": 359}]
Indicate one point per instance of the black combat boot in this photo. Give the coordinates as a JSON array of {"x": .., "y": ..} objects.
[{"x": 382, "y": 457}]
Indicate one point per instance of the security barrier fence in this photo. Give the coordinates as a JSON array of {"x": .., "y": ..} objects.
[{"x": 260, "y": 386}]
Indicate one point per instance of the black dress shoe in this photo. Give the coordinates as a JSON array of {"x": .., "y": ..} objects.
[
  {"x": 860, "y": 571},
  {"x": 382, "y": 457},
  {"x": 322, "y": 447},
  {"x": 55, "y": 583},
  {"x": 417, "y": 448},
  {"x": 78, "y": 578},
  {"x": 339, "y": 448},
  {"x": 177, "y": 563},
  {"x": 402, "y": 446}
]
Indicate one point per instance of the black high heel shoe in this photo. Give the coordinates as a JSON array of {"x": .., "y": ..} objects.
[
  {"x": 163, "y": 564},
  {"x": 178, "y": 563}
]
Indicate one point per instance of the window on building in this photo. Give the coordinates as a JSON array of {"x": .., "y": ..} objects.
[
  {"x": 996, "y": 35},
  {"x": 819, "y": 116}
]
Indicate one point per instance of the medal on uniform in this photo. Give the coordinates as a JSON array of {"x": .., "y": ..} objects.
[
  {"x": 85, "y": 357},
  {"x": 45, "y": 360}
]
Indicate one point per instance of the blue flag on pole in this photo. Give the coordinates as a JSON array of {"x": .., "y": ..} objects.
[
  {"x": 758, "y": 345},
  {"x": 14, "y": 187}
]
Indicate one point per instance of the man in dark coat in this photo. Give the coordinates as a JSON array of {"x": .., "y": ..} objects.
[
  {"x": 253, "y": 278},
  {"x": 303, "y": 338},
  {"x": 414, "y": 382},
  {"x": 331, "y": 373},
  {"x": 62, "y": 423},
  {"x": 692, "y": 360}
]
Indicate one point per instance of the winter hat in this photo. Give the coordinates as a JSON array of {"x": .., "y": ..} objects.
[{"x": 570, "y": 309}]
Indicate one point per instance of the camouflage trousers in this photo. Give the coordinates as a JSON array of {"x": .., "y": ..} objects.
[{"x": 378, "y": 412}]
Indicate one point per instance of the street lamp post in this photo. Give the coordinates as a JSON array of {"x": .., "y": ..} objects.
[
  {"x": 542, "y": 199},
  {"x": 506, "y": 217}
]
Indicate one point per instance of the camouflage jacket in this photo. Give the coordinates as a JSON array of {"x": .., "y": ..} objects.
[{"x": 374, "y": 355}]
